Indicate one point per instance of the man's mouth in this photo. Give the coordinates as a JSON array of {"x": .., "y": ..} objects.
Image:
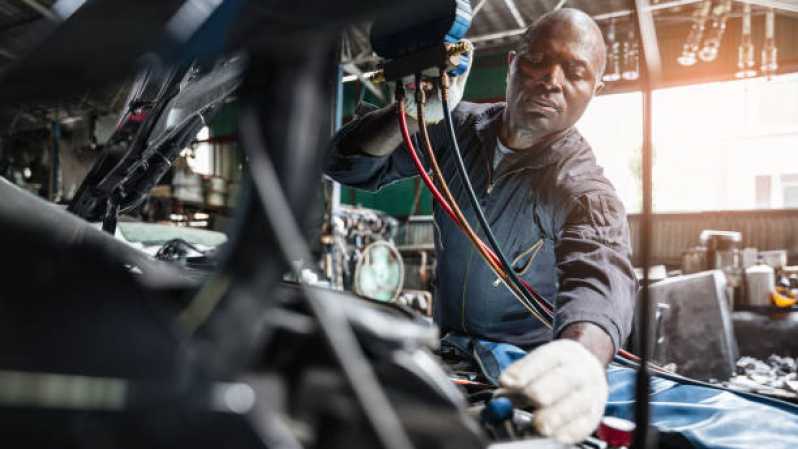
[{"x": 542, "y": 104}]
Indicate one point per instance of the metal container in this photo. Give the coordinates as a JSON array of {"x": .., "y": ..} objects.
[
  {"x": 694, "y": 260},
  {"x": 749, "y": 257},
  {"x": 775, "y": 258},
  {"x": 723, "y": 248},
  {"x": 215, "y": 191},
  {"x": 761, "y": 280},
  {"x": 187, "y": 187}
]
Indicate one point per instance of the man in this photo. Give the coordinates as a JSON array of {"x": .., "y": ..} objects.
[{"x": 557, "y": 218}]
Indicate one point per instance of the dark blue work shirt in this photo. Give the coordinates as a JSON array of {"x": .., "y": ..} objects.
[{"x": 555, "y": 215}]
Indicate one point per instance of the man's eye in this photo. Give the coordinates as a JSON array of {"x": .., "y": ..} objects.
[
  {"x": 577, "y": 72},
  {"x": 535, "y": 59}
]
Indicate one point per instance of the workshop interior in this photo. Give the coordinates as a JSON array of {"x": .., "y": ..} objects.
[{"x": 179, "y": 270}]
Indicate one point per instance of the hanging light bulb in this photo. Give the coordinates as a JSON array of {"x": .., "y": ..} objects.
[
  {"x": 631, "y": 57},
  {"x": 613, "y": 72},
  {"x": 769, "y": 50},
  {"x": 691, "y": 45},
  {"x": 746, "y": 59},
  {"x": 709, "y": 52}
]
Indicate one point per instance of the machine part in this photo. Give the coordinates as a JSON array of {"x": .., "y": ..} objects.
[
  {"x": 379, "y": 273},
  {"x": 439, "y": 21},
  {"x": 697, "y": 331},
  {"x": 497, "y": 411},
  {"x": 339, "y": 336},
  {"x": 659, "y": 336},
  {"x": 616, "y": 432},
  {"x": 187, "y": 254},
  {"x": 350, "y": 231},
  {"x": 453, "y": 57},
  {"x": 167, "y": 109},
  {"x": 775, "y": 377},
  {"x": 413, "y": 46},
  {"x": 418, "y": 300},
  {"x": 423, "y": 269}
]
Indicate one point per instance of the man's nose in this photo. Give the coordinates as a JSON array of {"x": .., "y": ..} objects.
[{"x": 552, "y": 78}]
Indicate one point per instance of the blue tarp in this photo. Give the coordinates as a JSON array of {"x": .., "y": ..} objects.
[{"x": 704, "y": 417}]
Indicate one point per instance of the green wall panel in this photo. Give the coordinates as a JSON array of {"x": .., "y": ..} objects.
[
  {"x": 486, "y": 84},
  {"x": 225, "y": 123},
  {"x": 395, "y": 199}
]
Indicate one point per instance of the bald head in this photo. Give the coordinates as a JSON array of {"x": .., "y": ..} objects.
[
  {"x": 573, "y": 25},
  {"x": 552, "y": 76}
]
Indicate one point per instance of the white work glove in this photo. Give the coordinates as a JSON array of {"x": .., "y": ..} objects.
[
  {"x": 567, "y": 386},
  {"x": 433, "y": 113}
]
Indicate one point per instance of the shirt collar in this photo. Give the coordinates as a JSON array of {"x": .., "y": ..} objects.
[{"x": 487, "y": 128}]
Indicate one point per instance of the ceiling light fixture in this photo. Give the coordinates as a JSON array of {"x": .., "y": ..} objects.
[
  {"x": 631, "y": 57},
  {"x": 613, "y": 69},
  {"x": 691, "y": 45},
  {"x": 714, "y": 35},
  {"x": 769, "y": 50},
  {"x": 746, "y": 56}
]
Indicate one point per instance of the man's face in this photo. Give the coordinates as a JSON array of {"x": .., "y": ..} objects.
[{"x": 551, "y": 80}]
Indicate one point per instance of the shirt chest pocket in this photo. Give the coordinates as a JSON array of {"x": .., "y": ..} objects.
[
  {"x": 530, "y": 242},
  {"x": 526, "y": 256}
]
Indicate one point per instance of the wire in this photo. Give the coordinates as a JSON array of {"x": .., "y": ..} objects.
[
  {"x": 332, "y": 322},
  {"x": 533, "y": 297},
  {"x": 536, "y": 299},
  {"x": 438, "y": 173},
  {"x": 687, "y": 380},
  {"x": 436, "y": 194},
  {"x": 449, "y": 208},
  {"x": 485, "y": 252},
  {"x": 624, "y": 357}
]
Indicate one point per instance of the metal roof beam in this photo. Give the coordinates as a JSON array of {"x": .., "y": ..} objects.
[
  {"x": 658, "y": 6},
  {"x": 775, "y": 4},
  {"x": 620, "y": 13},
  {"x": 513, "y": 8},
  {"x": 648, "y": 39},
  {"x": 478, "y": 8}
]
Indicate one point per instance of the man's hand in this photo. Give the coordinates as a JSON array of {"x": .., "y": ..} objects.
[
  {"x": 433, "y": 113},
  {"x": 566, "y": 384}
]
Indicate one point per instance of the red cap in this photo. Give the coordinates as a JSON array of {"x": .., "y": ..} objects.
[{"x": 616, "y": 432}]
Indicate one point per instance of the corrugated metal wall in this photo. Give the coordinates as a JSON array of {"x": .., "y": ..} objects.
[{"x": 762, "y": 229}]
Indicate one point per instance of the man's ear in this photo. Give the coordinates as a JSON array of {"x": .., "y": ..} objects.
[
  {"x": 510, "y": 57},
  {"x": 599, "y": 87}
]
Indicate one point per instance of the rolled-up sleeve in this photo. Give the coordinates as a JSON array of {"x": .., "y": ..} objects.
[
  {"x": 597, "y": 280},
  {"x": 361, "y": 170}
]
